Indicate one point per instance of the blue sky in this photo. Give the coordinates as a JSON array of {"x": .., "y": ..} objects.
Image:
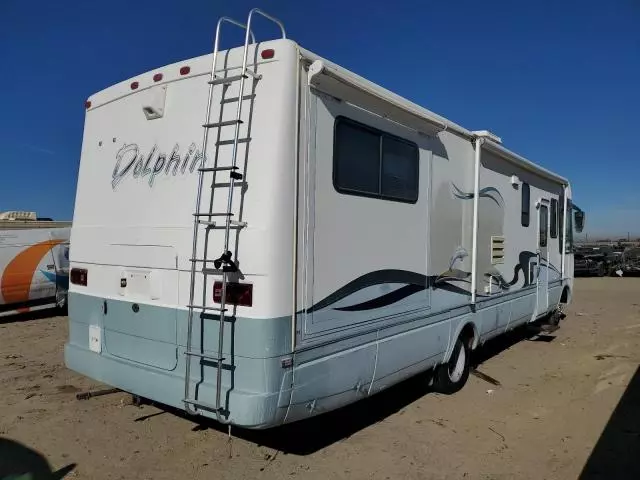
[{"x": 558, "y": 81}]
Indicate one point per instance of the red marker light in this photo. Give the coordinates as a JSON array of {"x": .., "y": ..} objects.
[
  {"x": 134, "y": 85},
  {"x": 157, "y": 77},
  {"x": 267, "y": 54},
  {"x": 79, "y": 276},
  {"x": 87, "y": 104},
  {"x": 237, "y": 293},
  {"x": 185, "y": 70}
]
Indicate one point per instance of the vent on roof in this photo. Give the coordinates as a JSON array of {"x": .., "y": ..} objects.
[
  {"x": 488, "y": 135},
  {"x": 497, "y": 249}
]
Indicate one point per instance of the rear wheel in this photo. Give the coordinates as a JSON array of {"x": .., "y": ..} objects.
[
  {"x": 601, "y": 270},
  {"x": 450, "y": 377}
]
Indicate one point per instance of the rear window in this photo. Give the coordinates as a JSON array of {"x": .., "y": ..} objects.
[{"x": 372, "y": 163}]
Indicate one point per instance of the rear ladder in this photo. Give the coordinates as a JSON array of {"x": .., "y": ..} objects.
[{"x": 224, "y": 264}]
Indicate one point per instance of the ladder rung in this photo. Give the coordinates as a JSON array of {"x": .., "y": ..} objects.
[
  {"x": 226, "y": 80},
  {"x": 253, "y": 74},
  {"x": 212, "y": 271},
  {"x": 228, "y": 184},
  {"x": 220, "y": 271},
  {"x": 235, "y": 99},
  {"x": 230, "y": 142},
  {"x": 202, "y": 307},
  {"x": 233, "y": 225},
  {"x": 221, "y": 124},
  {"x": 216, "y": 169},
  {"x": 204, "y": 405},
  {"x": 202, "y": 355},
  {"x": 213, "y": 214}
]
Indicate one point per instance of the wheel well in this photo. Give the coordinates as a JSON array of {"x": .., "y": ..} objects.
[
  {"x": 566, "y": 295},
  {"x": 468, "y": 335}
]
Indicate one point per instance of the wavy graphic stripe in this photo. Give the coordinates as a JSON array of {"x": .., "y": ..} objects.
[
  {"x": 15, "y": 283},
  {"x": 384, "y": 300},
  {"x": 414, "y": 283},
  {"x": 486, "y": 192},
  {"x": 372, "y": 278}
]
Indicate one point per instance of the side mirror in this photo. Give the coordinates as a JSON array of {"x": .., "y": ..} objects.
[{"x": 579, "y": 220}]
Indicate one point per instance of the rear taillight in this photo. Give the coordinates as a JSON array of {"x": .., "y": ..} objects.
[
  {"x": 78, "y": 276},
  {"x": 237, "y": 293}
]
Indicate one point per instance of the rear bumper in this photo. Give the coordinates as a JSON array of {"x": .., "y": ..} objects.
[
  {"x": 145, "y": 356},
  {"x": 247, "y": 409}
]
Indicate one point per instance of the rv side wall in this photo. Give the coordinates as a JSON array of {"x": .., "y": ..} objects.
[{"x": 384, "y": 254}]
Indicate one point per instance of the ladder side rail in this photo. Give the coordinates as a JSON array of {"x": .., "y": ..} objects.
[{"x": 194, "y": 246}]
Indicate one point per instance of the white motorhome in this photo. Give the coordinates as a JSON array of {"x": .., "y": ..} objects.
[
  {"x": 34, "y": 262},
  {"x": 319, "y": 240}
]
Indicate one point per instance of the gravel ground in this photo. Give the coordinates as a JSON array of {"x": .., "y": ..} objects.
[{"x": 567, "y": 406}]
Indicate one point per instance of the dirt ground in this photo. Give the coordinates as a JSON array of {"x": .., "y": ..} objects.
[{"x": 567, "y": 406}]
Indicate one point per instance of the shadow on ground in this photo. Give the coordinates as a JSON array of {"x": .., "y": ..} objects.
[
  {"x": 33, "y": 315},
  {"x": 615, "y": 456},
  {"x": 308, "y": 436},
  {"x": 19, "y": 462}
]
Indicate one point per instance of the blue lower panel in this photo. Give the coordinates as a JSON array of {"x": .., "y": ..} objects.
[
  {"x": 247, "y": 409},
  {"x": 142, "y": 351},
  {"x": 400, "y": 352}
]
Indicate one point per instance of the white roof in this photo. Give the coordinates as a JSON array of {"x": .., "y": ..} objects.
[{"x": 415, "y": 116}]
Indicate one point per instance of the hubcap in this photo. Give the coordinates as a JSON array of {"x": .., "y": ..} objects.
[{"x": 456, "y": 369}]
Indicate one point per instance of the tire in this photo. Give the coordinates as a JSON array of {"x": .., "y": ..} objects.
[
  {"x": 450, "y": 377},
  {"x": 555, "y": 317}
]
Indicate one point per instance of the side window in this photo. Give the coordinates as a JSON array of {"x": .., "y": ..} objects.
[
  {"x": 560, "y": 223},
  {"x": 553, "y": 231},
  {"x": 526, "y": 205},
  {"x": 372, "y": 163},
  {"x": 569, "y": 226},
  {"x": 544, "y": 222}
]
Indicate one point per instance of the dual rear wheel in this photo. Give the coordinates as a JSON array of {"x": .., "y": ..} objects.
[{"x": 451, "y": 376}]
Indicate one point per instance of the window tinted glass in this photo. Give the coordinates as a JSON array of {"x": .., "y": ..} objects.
[
  {"x": 560, "y": 222},
  {"x": 399, "y": 169},
  {"x": 569, "y": 226},
  {"x": 553, "y": 231},
  {"x": 526, "y": 200},
  {"x": 544, "y": 219},
  {"x": 372, "y": 163},
  {"x": 357, "y": 162}
]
